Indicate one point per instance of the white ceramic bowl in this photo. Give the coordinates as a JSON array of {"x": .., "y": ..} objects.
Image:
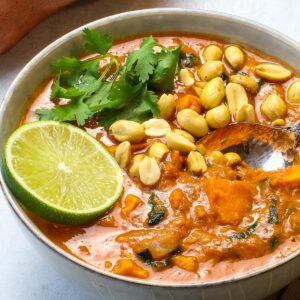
[{"x": 253, "y": 285}]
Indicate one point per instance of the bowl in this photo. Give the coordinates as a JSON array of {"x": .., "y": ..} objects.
[{"x": 255, "y": 284}]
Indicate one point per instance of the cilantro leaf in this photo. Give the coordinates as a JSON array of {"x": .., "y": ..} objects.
[
  {"x": 142, "y": 61},
  {"x": 75, "y": 110},
  {"x": 141, "y": 108},
  {"x": 96, "y": 42},
  {"x": 163, "y": 76}
]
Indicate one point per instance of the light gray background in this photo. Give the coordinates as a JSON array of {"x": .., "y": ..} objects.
[{"x": 23, "y": 274}]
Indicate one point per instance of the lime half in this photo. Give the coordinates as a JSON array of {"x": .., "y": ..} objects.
[{"x": 60, "y": 172}]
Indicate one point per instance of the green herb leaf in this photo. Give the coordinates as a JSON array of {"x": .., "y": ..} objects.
[
  {"x": 142, "y": 61},
  {"x": 139, "y": 107},
  {"x": 75, "y": 110},
  {"x": 273, "y": 213},
  {"x": 96, "y": 42},
  {"x": 274, "y": 242},
  {"x": 157, "y": 211},
  {"x": 163, "y": 76},
  {"x": 245, "y": 234},
  {"x": 188, "y": 60},
  {"x": 146, "y": 256}
]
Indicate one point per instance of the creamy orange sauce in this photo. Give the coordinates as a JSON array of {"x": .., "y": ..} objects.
[{"x": 97, "y": 243}]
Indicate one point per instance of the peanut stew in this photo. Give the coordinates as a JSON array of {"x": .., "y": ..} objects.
[{"x": 186, "y": 214}]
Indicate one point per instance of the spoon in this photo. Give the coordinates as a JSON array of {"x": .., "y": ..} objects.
[{"x": 260, "y": 146}]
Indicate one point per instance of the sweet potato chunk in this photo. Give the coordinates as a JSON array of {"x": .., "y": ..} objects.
[
  {"x": 188, "y": 263},
  {"x": 251, "y": 247},
  {"x": 160, "y": 243},
  {"x": 230, "y": 200},
  {"x": 286, "y": 177},
  {"x": 128, "y": 267}
]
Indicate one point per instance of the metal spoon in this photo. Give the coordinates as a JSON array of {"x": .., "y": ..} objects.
[{"x": 260, "y": 146}]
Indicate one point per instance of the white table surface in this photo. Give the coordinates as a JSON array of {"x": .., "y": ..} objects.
[{"x": 23, "y": 274}]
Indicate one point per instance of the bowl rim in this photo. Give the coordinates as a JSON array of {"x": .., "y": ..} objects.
[{"x": 33, "y": 229}]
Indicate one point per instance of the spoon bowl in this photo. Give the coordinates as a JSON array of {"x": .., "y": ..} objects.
[{"x": 260, "y": 146}]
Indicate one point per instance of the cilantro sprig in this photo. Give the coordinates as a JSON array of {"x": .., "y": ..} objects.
[{"x": 114, "y": 91}]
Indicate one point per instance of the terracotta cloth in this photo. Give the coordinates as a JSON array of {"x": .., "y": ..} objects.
[{"x": 18, "y": 17}]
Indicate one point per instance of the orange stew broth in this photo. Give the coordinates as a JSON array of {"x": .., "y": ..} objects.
[{"x": 203, "y": 211}]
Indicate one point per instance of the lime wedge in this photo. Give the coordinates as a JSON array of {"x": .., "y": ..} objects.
[{"x": 60, "y": 172}]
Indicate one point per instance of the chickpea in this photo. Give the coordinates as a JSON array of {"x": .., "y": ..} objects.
[
  {"x": 213, "y": 93},
  {"x": 245, "y": 113},
  {"x": 124, "y": 130},
  {"x": 293, "y": 93},
  {"x": 273, "y": 107},
  {"x": 235, "y": 57},
  {"x": 178, "y": 142},
  {"x": 123, "y": 154},
  {"x": 186, "y": 77},
  {"x": 158, "y": 150},
  {"x": 236, "y": 96},
  {"x": 273, "y": 72},
  {"x": 210, "y": 70},
  {"x": 191, "y": 121},
  {"x": 195, "y": 162},
  {"x": 166, "y": 104},
  {"x": 218, "y": 116},
  {"x": 212, "y": 52},
  {"x": 149, "y": 171},
  {"x": 156, "y": 127}
]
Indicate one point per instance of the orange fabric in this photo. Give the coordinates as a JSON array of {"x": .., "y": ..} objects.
[{"x": 18, "y": 17}]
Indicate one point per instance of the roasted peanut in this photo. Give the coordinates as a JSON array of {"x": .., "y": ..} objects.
[
  {"x": 218, "y": 116},
  {"x": 166, "y": 104},
  {"x": 212, "y": 52},
  {"x": 186, "y": 77},
  {"x": 210, "y": 70},
  {"x": 278, "y": 122},
  {"x": 246, "y": 81},
  {"x": 149, "y": 171},
  {"x": 236, "y": 96},
  {"x": 195, "y": 162},
  {"x": 232, "y": 158},
  {"x": 134, "y": 167},
  {"x": 273, "y": 107},
  {"x": 124, "y": 130},
  {"x": 213, "y": 93},
  {"x": 185, "y": 134},
  {"x": 156, "y": 127},
  {"x": 123, "y": 154},
  {"x": 293, "y": 93},
  {"x": 201, "y": 148},
  {"x": 235, "y": 57},
  {"x": 158, "y": 150},
  {"x": 191, "y": 121},
  {"x": 273, "y": 72},
  {"x": 178, "y": 142},
  {"x": 216, "y": 156},
  {"x": 198, "y": 87},
  {"x": 245, "y": 113}
]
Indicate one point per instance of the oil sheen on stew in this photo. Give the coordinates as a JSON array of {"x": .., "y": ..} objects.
[{"x": 225, "y": 221}]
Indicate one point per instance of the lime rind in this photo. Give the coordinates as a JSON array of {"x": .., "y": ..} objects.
[{"x": 47, "y": 209}]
